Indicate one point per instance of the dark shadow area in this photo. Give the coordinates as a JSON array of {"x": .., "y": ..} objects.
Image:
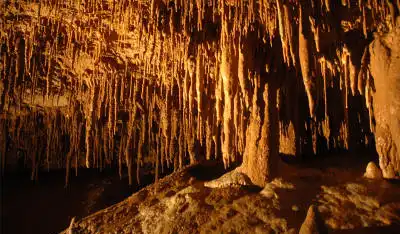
[
  {"x": 339, "y": 158},
  {"x": 208, "y": 170},
  {"x": 372, "y": 230},
  {"x": 46, "y": 206},
  {"x": 394, "y": 182}
]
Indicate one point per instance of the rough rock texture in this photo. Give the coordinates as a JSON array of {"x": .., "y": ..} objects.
[
  {"x": 313, "y": 223},
  {"x": 230, "y": 179},
  {"x": 180, "y": 203},
  {"x": 385, "y": 68},
  {"x": 356, "y": 202},
  {"x": 101, "y": 83},
  {"x": 372, "y": 171}
]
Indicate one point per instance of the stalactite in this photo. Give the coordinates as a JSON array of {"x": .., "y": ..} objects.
[
  {"x": 364, "y": 21},
  {"x": 304, "y": 55},
  {"x": 89, "y": 127},
  {"x": 199, "y": 89},
  {"x": 243, "y": 65},
  {"x": 288, "y": 19},
  {"x": 363, "y": 72},
  {"x": 282, "y": 31},
  {"x": 185, "y": 77}
]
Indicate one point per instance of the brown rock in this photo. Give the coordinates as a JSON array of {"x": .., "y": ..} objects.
[
  {"x": 313, "y": 223},
  {"x": 385, "y": 69},
  {"x": 372, "y": 171}
]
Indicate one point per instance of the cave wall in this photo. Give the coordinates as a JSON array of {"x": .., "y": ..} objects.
[{"x": 102, "y": 83}]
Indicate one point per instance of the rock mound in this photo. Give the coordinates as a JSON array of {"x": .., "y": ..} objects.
[
  {"x": 373, "y": 171},
  {"x": 230, "y": 179}
]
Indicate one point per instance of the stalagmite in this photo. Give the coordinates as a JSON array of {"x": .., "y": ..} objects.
[
  {"x": 227, "y": 74},
  {"x": 261, "y": 153},
  {"x": 372, "y": 171}
]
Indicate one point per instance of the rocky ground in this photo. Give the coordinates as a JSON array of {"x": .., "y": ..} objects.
[{"x": 192, "y": 201}]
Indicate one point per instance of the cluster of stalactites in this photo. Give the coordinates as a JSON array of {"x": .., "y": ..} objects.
[
  {"x": 29, "y": 133},
  {"x": 174, "y": 80}
]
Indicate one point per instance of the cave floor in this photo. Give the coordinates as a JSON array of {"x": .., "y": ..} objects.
[{"x": 180, "y": 203}]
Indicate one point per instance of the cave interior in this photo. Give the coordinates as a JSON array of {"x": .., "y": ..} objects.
[{"x": 200, "y": 116}]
